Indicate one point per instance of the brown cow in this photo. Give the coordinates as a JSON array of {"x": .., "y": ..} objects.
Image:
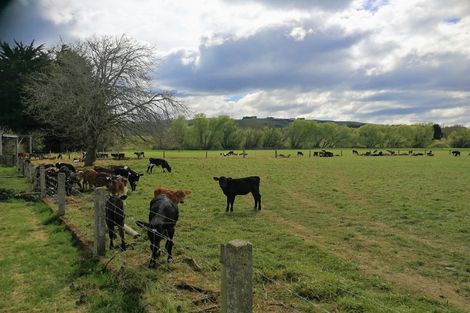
[{"x": 175, "y": 196}]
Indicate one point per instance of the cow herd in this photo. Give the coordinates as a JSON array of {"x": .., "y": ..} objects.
[{"x": 163, "y": 208}]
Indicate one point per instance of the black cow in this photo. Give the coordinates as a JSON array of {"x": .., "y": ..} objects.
[
  {"x": 158, "y": 162},
  {"x": 300, "y": 154},
  {"x": 163, "y": 216},
  {"x": 456, "y": 153},
  {"x": 354, "y": 152},
  {"x": 140, "y": 154},
  {"x": 115, "y": 218},
  {"x": 240, "y": 186},
  {"x": 71, "y": 178},
  {"x": 132, "y": 176},
  {"x": 69, "y": 166}
]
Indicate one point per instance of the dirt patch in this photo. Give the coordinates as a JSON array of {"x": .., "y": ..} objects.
[{"x": 38, "y": 232}]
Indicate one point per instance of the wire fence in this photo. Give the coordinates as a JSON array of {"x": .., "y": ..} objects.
[{"x": 208, "y": 300}]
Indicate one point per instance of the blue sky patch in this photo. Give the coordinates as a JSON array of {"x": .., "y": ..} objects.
[{"x": 453, "y": 20}]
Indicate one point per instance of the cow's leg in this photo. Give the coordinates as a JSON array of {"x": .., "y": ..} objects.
[
  {"x": 228, "y": 204},
  {"x": 121, "y": 234},
  {"x": 232, "y": 200},
  {"x": 112, "y": 235},
  {"x": 155, "y": 247},
  {"x": 169, "y": 242},
  {"x": 257, "y": 198}
]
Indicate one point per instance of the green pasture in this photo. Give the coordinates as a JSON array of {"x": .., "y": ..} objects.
[
  {"x": 41, "y": 269},
  {"x": 341, "y": 234}
]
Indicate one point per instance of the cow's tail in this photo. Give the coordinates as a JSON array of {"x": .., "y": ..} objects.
[{"x": 143, "y": 224}]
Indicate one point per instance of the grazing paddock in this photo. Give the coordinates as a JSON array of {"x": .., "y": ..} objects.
[{"x": 349, "y": 233}]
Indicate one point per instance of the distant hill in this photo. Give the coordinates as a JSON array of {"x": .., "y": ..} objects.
[{"x": 254, "y": 122}]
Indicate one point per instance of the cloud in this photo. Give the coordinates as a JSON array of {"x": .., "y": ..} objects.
[
  {"x": 299, "y": 4},
  {"x": 269, "y": 59},
  {"x": 369, "y": 60}
]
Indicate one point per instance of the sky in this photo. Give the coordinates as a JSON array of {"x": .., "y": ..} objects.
[{"x": 377, "y": 61}]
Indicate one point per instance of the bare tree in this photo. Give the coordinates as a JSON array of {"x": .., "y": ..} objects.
[{"x": 98, "y": 87}]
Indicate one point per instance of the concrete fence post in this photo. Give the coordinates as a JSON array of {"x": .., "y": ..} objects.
[
  {"x": 237, "y": 271},
  {"x": 61, "y": 193},
  {"x": 100, "y": 222},
  {"x": 42, "y": 180},
  {"x": 21, "y": 166},
  {"x": 31, "y": 172},
  {"x": 26, "y": 169}
]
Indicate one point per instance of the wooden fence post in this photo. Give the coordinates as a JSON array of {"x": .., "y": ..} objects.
[
  {"x": 163, "y": 153},
  {"x": 42, "y": 180},
  {"x": 275, "y": 153},
  {"x": 206, "y": 154},
  {"x": 61, "y": 193},
  {"x": 244, "y": 153},
  {"x": 100, "y": 219},
  {"x": 237, "y": 272}
]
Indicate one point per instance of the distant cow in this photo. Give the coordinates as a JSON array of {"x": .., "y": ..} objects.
[
  {"x": 240, "y": 186},
  {"x": 158, "y": 162},
  {"x": 429, "y": 153},
  {"x": 115, "y": 218},
  {"x": 163, "y": 216},
  {"x": 300, "y": 154},
  {"x": 139, "y": 154},
  {"x": 354, "y": 152},
  {"x": 102, "y": 155},
  {"x": 456, "y": 153},
  {"x": 175, "y": 196},
  {"x": 118, "y": 156},
  {"x": 326, "y": 154}
]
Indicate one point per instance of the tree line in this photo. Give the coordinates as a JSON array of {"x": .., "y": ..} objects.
[{"x": 223, "y": 132}]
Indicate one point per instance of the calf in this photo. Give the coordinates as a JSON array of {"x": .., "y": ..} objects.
[
  {"x": 115, "y": 218},
  {"x": 456, "y": 153},
  {"x": 240, "y": 186},
  {"x": 158, "y": 162},
  {"x": 175, "y": 196},
  {"x": 117, "y": 186},
  {"x": 132, "y": 176},
  {"x": 163, "y": 216},
  {"x": 69, "y": 166}
]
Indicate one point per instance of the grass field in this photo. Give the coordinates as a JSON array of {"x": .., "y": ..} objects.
[
  {"x": 40, "y": 269},
  {"x": 342, "y": 234}
]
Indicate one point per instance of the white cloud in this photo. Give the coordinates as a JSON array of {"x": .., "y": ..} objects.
[{"x": 377, "y": 61}]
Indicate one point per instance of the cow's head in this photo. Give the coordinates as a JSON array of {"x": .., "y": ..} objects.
[
  {"x": 223, "y": 181},
  {"x": 180, "y": 195}
]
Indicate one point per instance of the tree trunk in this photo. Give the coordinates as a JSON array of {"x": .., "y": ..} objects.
[{"x": 91, "y": 149}]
